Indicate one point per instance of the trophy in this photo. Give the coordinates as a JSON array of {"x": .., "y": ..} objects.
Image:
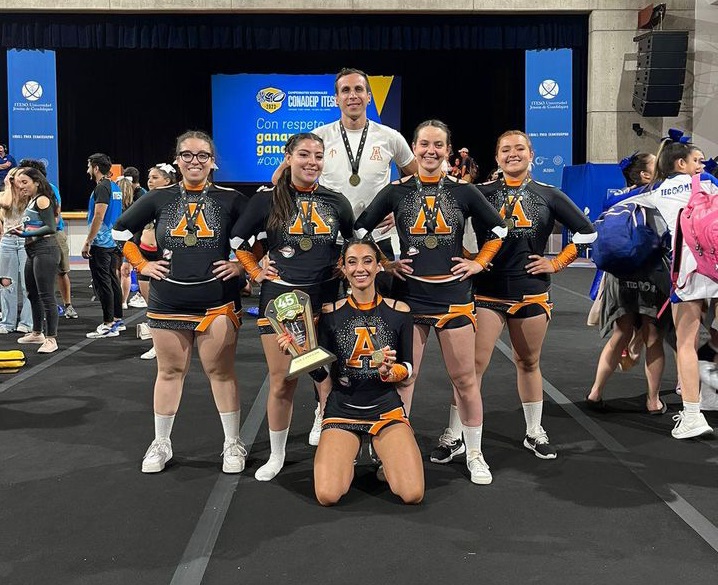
[{"x": 291, "y": 313}]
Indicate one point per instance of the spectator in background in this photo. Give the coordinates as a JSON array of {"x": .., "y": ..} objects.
[
  {"x": 134, "y": 175},
  {"x": 7, "y": 162},
  {"x": 100, "y": 249},
  {"x": 12, "y": 260},
  {"x": 63, "y": 267},
  {"x": 469, "y": 168}
]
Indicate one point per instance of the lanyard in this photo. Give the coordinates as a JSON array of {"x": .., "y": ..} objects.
[
  {"x": 354, "y": 162},
  {"x": 515, "y": 194},
  {"x": 192, "y": 218}
]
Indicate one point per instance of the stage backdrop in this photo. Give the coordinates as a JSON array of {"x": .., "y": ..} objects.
[
  {"x": 254, "y": 115},
  {"x": 32, "y": 107},
  {"x": 549, "y": 117}
]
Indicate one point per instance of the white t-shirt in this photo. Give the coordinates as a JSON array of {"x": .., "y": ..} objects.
[{"x": 383, "y": 145}]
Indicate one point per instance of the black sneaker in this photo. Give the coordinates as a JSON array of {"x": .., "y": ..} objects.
[
  {"x": 449, "y": 447},
  {"x": 540, "y": 446}
]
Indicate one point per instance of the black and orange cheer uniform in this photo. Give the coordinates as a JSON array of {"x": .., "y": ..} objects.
[
  {"x": 360, "y": 401},
  {"x": 305, "y": 250},
  {"x": 430, "y": 217},
  {"x": 190, "y": 296},
  {"x": 533, "y": 208}
]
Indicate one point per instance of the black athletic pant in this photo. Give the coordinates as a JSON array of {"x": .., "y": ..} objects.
[
  {"x": 43, "y": 256},
  {"x": 104, "y": 266}
]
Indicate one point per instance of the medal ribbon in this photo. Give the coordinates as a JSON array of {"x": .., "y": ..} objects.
[
  {"x": 354, "y": 162},
  {"x": 431, "y": 214},
  {"x": 191, "y": 219}
]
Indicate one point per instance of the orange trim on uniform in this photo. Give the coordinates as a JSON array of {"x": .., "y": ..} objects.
[
  {"x": 249, "y": 262},
  {"x": 396, "y": 415},
  {"x": 565, "y": 257},
  {"x": 364, "y": 306},
  {"x": 203, "y": 321},
  {"x": 455, "y": 311},
  {"x": 487, "y": 252},
  {"x": 397, "y": 373},
  {"x": 515, "y": 306},
  {"x": 134, "y": 255}
]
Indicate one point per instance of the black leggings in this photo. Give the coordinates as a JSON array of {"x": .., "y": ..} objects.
[
  {"x": 43, "y": 255},
  {"x": 105, "y": 266}
]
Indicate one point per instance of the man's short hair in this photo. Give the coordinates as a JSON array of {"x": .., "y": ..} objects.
[
  {"x": 133, "y": 173},
  {"x": 466, "y": 150},
  {"x": 33, "y": 163},
  {"x": 101, "y": 161}
]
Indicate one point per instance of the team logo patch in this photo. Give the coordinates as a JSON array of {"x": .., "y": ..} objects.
[{"x": 271, "y": 99}]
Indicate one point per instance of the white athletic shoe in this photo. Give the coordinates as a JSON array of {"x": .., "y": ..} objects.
[
  {"x": 157, "y": 456},
  {"x": 143, "y": 331},
  {"x": 149, "y": 354},
  {"x": 137, "y": 302},
  {"x": 234, "y": 456},
  {"x": 690, "y": 425},
  {"x": 316, "y": 431},
  {"x": 478, "y": 467},
  {"x": 102, "y": 331}
]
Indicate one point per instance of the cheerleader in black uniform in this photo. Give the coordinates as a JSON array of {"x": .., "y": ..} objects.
[
  {"x": 301, "y": 221},
  {"x": 194, "y": 292},
  {"x": 516, "y": 291},
  {"x": 372, "y": 339},
  {"x": 430, "y": 210}
]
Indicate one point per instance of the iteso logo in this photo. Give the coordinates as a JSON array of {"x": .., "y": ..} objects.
[
  {"x": 271, "y": 99},
  {"x": 548, "y": 89},
  {"x": 32, "y": 91}
]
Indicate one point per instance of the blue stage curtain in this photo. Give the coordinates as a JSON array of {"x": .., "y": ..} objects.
[{"x": 298, "y": 32}]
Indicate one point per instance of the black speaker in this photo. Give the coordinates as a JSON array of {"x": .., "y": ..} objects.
[{"x": 662, "y": 57}]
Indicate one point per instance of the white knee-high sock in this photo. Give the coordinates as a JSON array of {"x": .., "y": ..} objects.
[
  {"x": 472, "y": 439},
  {"x": 230, "y": 424},
  {"x": 532, "y": 413},
  {"x": 163, "y": 426},
  {"x": 277, "y": 444},
  {"x": 454, "y": 421}
]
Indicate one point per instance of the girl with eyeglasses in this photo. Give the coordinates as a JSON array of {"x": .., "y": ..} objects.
[
  {"x": 301, "y": 222},
  {"x": 194, "y": 292}
]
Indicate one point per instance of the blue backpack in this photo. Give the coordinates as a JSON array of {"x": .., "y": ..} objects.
[{"x": 625, "y": 241}]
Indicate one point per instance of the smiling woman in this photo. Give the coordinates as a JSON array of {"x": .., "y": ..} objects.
[{"x": 300, "y": 221}]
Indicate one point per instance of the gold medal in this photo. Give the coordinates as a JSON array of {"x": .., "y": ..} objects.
[
  {"x": 431, "y": 241},
  {"x": 354, "y": 180},
  {"x": 190, "y": 239},
  {"x": 305, "y": 244},
  {"x": 509, "y": 223},
  {"x": 378, "y": 356}
]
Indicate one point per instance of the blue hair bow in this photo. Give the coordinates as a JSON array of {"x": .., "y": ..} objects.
[
  {"x": 677, "y": 135},
  {"x": 626, "y": 161},
  {"x": 710, "y": 165}
]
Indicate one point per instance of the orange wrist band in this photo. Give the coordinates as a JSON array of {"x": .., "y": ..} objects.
[
  {"x": 249, "y": 262},
  {"x": 397, "y": 373},
  {"x": 487, "y": 252},
  {"x": 565, "y": 257},
  {"x": 134, "y": 256}
]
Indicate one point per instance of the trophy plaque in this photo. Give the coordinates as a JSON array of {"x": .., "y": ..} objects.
[{"x": 291, "y": 313}]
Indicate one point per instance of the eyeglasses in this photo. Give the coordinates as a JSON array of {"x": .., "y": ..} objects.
[{"x": 188, "y": 156}]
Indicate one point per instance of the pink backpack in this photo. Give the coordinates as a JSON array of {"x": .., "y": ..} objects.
[{"x": 699, "y": 223}]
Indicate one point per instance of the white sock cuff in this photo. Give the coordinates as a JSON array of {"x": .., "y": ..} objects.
[{"x": 692, "y": 407}]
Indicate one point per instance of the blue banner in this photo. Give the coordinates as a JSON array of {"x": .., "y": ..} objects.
[
  {"x": 253, "y": 115},
  {"x": 549, "y": 112},
  {"x": 32, "y": 107}
]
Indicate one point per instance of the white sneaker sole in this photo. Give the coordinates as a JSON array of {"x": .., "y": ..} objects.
[
  {"x": 535, "y": 452},
  {"x": 692, "y": 433},
  {"x": 481, "y": 480},
  {"x": 154, "y": 467},
  {"x": 232, "y": 467}
]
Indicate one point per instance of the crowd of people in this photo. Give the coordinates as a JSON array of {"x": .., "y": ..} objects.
[{"x": 324, "y": 229}]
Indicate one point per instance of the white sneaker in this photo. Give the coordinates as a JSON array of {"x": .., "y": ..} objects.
[
  {"x": 149, "y": 355},
  {"x": 157, "y": 456},
  {"x": 124, "y": 306},
  {"x": 143, "y": 331},
  {"x": 478, "y": 467},
  {"x": 316, "y": 431},
  {"x": 102, "y": 331},
  {"x": 23, "y": 328},
  {"x": 50, "y": 346},
  {"x": 137, "y": 302},
  {"x": 234, "y": 456},
  {"x": 709, "y": 373},
  {"x": 709, "y": 398},
  {"x": 4, "y": 330},
  {"x": 690, "y": 425},
  {"x": 32, "y": 337}
]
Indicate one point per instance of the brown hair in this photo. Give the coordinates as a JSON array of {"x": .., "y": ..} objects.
[{"x": 513, "y": 133}]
